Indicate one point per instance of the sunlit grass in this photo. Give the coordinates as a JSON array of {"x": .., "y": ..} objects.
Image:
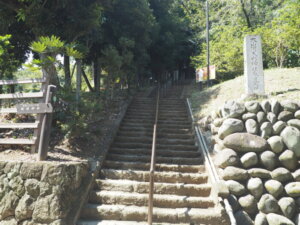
[{"x": 279, "y": 84}]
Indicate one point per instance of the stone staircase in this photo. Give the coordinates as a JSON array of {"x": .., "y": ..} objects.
[{"x": 183, "y": 194}]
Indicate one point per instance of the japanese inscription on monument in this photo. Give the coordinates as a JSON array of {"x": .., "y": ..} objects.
[{"x": 253, "y": 66}]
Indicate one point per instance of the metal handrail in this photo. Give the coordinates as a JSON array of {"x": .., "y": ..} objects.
[
  {"x": 211, "y": 167},
  {"x": 153, "y": 162}
]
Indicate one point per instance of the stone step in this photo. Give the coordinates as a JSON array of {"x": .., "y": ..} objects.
[
  {"x": 174, "y": 131},
  {"x": 159, "y": 159},
  {"x": 172, "y": 111},
  {"x": 115, "y": 222},
  {"x": 163, "y": 153},
  {"x": 142, "y": 106},
  {"x": 160, "y": 122},
  {"x": 139, "y": 117},
  {"x": 150, "y": 129},
  {"x": 160, "y": 135},
  {"x": 135, "y": 133},
  {"x": 137, "y": 199},
  {"x": 160, "y": 126},
  {"x": 171, "y": 147},
  {"x": 159, "y": 167},
  {"x": 177, "y": 136},
  {"x": 172, "y": 115},
  {"x": 136, "y": 129},
  {"x": 163, "y": 177},
  {"x": 198, "y": 190},
  {"x": 210, "y": 216},
  {"x": 138, "y": 110},
  {"x": 137, "y": 121},
  {"x": 149, "y": 139}
]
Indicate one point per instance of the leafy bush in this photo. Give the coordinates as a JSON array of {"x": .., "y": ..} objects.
[{"x": 74, "y": 119}]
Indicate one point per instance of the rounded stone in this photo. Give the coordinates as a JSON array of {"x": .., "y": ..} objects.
[
  {"x": 276, "y": 144},
  {"x": 275, "y": 106},
  {"x": 282, "y": 175},
  {"x": 261, "y": 117},
  {"x": 293, "y": 189},
  {"x": 294, "y": 123},
  {"x": 233, "y": 109},
  {"x": 287, "y": 206},
  {"x": 259, "y": 173},
  {"x": 296, "y": 175},
  {"x": 32, "y": 187},
  {"x": 268, "y": 204},
  {"x": 244, "y": 142},
  {"x": 251, "y": 126},
  {"x": 227, "y": 157},
  {"x": 266, "y": 106},
  {"x": 291, "y": 138},
  {"x": 285, "y": 116},
  {"x": 248, "y": 203},
  {"x": 235, "y": 188},
  {"x": 274, "y": 188},
  {"x": 243, "y": 218},
  {"x": 266, "y": 130},
  {"x": 261, "y": 219},
  {"x": 278, "y": 127},
  {"x": 234, "y": 173},
  {"x": 272, "y": 117},
  {"x": 289, "y": 160},
  {"x": 248, "y": 116},
  {"x": 230, "y": 126},
  {"x": 252, "y": 106},
  {"x": 25, "y": 207},
  {"x": 297, "y": 115},
  {"x": 275, "y": 219},
  {"x": 255, "y": 187},
  {"x": 289, "y": 106},
  {"x": 214, "y": 130},
  {"x": 250, "y": 159},
  {"x": 268, "y": 159},
  {"x": 218, "y": 122}
]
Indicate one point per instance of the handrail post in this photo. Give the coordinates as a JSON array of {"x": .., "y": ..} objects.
[{"x": 152, "y": 167}]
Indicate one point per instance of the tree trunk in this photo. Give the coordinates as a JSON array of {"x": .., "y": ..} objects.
[
  {"x": 87, "y": 80},
  {"x": 97, "y": 72},
  {"x": 51, "y": 72},
  {"x": 67, "y": 71},
  {"x": 246, "y": 14},
  {"x": 78, "y": 81}
]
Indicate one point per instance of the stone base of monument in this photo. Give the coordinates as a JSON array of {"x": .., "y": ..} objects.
[{"x": 247, "y": 97}]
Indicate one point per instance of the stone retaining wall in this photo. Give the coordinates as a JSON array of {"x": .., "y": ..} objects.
[
  {"x": 258, "y": 152},
  {"x": 38, "y": 193}
]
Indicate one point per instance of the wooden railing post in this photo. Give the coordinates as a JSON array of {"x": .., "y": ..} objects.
[
  {"x": 45, "y": 128},
  {"x": 152, "y": 167}
]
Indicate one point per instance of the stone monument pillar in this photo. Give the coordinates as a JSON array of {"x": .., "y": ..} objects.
[{"x": 253, "y": 65}]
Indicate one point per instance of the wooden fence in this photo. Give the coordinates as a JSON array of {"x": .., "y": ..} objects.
[{"x": 42, "y": 109}]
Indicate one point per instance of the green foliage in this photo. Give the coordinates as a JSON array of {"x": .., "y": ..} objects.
[
  {"x": 277, "y": 21},
  {"x": 49, "y": 48},
  {"x": 8, "y": 63},
  {"x": 73, "y": 122}
]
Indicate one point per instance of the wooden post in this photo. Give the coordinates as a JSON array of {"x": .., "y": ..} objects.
[
  {"x": 45, "y": 129},
  {"x": 78, "y": 82},
  {"x": 40, "y": 117}
]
